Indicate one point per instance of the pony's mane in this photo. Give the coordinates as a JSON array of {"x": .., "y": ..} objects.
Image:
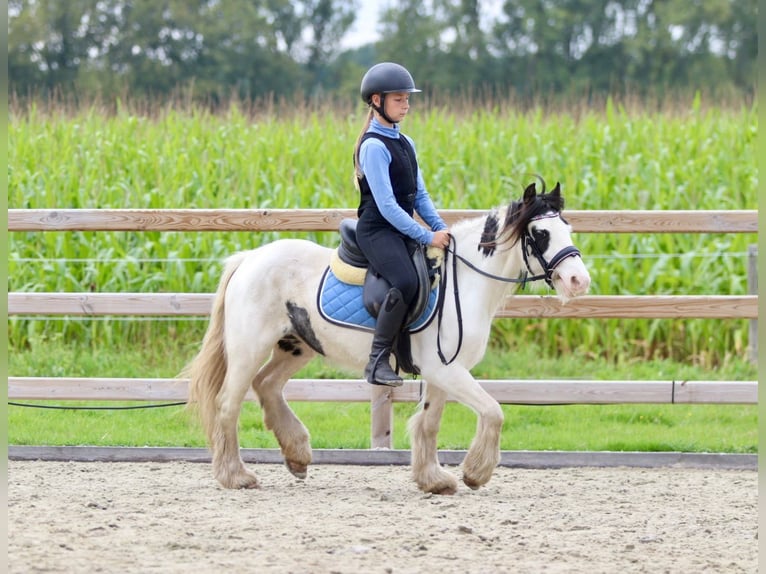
[{"x": 517, "y": 216}]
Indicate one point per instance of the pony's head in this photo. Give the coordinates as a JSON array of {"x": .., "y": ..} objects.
[{"x": 546, "y": 241}]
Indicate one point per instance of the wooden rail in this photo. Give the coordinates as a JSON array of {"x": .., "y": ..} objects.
[
  {"x": 518, "y": 306},
  {"x": 508, "y": 391},
  {"x": 647, "y": 221},
  {"x": 351, "y": 390}
]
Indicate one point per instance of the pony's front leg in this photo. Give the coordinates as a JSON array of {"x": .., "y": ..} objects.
[
  {"x": 484, "y": 453},
  {"x": 423, "y": 428},
  {"x": 228, "y": 467}
]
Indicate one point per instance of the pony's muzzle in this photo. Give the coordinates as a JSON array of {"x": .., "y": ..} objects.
[{"x": 571, "y": 278}]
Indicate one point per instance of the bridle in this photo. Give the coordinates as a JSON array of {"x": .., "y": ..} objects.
[{"x": 528, "y": 243}]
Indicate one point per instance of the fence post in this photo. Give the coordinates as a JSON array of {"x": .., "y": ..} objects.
[
  {"x": 381, "y": 416},
  {"x": 752, "y": 289}
]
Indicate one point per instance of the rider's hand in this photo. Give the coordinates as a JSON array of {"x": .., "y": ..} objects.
[{"x": 441, "y": 239}]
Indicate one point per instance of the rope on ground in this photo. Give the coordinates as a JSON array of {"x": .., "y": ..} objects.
[{"x": 64, "y": 408}]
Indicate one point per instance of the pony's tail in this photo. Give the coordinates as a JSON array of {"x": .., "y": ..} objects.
[{"x": 207, "y": 370}]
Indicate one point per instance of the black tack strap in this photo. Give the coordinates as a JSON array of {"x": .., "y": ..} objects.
[{"x": 458, "y": 310}]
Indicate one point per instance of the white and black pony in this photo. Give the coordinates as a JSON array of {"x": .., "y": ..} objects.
[{"x": 266, "y": 323}]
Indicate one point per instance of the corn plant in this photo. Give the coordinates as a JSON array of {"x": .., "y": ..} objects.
[{"x": 693, "y": 158}]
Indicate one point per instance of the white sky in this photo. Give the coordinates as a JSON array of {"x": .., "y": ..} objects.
[{"x": 363, "y": 31}]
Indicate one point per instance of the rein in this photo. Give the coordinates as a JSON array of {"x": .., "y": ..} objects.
[{"x": 527, "y": 242}]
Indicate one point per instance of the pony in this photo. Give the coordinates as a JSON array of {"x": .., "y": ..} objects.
[{"x": 265, "y": 325}]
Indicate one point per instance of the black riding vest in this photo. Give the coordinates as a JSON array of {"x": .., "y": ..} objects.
[{"x": 403, "y": 171}]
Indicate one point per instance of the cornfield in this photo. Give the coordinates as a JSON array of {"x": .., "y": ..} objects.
[{"x": 696, "y": 157}]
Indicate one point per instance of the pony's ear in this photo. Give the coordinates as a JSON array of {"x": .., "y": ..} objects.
[
  {"x": 556, "y": 192},
  {"x": 530, "y": 193}
]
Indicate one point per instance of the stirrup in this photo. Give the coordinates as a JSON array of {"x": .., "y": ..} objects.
[{"x": 371, "y": 370}]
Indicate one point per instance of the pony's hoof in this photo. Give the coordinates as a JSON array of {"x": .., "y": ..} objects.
[
  {"x": 445, "y": 490},
  {"x": 297, "y": 470},
  {"x": 446, "y": 486},
  {"x": 245, "y": 480},
  {"x": 470, "y": 483}
]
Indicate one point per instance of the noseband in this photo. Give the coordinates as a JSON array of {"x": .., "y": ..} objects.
[{"x": 528, "y": 243}]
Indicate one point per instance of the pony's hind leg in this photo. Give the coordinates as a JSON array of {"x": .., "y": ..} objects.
[
  {"x": 288, "y": 357},
  {"x": 228, "y": 467},
  {"x": 423, "y": 428}
]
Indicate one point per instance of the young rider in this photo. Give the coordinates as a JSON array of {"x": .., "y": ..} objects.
[{"x": 392, "y": 189}]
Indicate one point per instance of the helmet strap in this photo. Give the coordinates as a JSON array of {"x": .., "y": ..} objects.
[{"x": 381, "y": 109}]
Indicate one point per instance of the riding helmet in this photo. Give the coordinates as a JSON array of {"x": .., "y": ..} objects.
[{"x": 386, "y": 78}]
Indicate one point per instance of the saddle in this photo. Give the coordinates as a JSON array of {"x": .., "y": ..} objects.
[{"x": 349, "y": 264}]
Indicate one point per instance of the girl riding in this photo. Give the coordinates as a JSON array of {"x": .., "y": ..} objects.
[{"x": 391, "y": 191}]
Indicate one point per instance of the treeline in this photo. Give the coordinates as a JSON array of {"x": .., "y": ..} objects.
[{"x": 249, "y": 49}]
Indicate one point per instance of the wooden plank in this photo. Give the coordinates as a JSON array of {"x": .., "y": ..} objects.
[
  {"x": 592, "y": 392},
  {"x": 96, "y": 389},
  {"x": 563, "y": 459},
  {"x": 584, "y": 221},
  {"x": 752, "y": 287},
  {"x": 519, "y": 306},
  {"x": 381, "y": 416},
  {"x": 148, "y": 389},
  {"x": 713, "y": 392},
  {"x": 95, "y": 304},
  {"x": 505, "y": 391},
  {"x": 383, "y": 457},
  {"x": 634, "y": 307},
  {"x": 663, "y": 221},
  {"x": 176, "y": 219}
]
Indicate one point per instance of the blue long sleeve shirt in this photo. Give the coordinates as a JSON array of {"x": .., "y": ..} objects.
[{"x": 374, "y": 160}]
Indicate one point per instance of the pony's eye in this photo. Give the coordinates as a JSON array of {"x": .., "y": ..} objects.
[{"x": 542, "y": 239}]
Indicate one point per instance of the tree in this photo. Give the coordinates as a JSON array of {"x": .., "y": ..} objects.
[
  {"x": 328, "y": 22},
  {"x": 257, "y": 48},
  {"x": 410, "y": 37},
  {"x": 251, "y": 48},
  {"x": 466, "y": 61},
  {"x": 49, "y": 42},
  {"x": 615, "y": 45}
]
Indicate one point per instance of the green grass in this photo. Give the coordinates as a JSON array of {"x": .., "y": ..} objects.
[
  {"x": 693, "y": 428},
  {"x": 687, "y": 428}
]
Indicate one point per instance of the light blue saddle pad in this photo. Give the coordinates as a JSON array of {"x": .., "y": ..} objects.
[{"x": 341, "y": 303}]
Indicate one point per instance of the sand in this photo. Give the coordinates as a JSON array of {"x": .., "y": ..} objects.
[{"x": 173, "y": 517}]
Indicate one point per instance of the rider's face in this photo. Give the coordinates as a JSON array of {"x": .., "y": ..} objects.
[{"x": 396, "y": 105}]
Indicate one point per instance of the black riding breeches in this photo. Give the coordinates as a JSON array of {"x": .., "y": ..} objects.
[{"x": 390, "y": 255}]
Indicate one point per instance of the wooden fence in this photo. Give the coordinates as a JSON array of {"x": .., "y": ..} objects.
[{"x": 352, "y": 390}]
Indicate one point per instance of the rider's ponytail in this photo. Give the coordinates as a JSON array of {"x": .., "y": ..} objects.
[{"x": 357, "y": 170}]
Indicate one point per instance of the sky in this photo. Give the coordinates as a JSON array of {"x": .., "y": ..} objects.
[{"x": 363, "y": 31}]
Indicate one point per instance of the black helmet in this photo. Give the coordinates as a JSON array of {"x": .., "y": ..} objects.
[{"x": 385, "y": 78}]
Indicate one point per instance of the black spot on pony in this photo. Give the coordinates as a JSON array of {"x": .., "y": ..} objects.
[{"x": 489, "y": 235}]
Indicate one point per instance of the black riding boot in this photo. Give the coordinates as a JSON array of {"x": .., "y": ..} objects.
[{"x": 390, "y": 318}]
